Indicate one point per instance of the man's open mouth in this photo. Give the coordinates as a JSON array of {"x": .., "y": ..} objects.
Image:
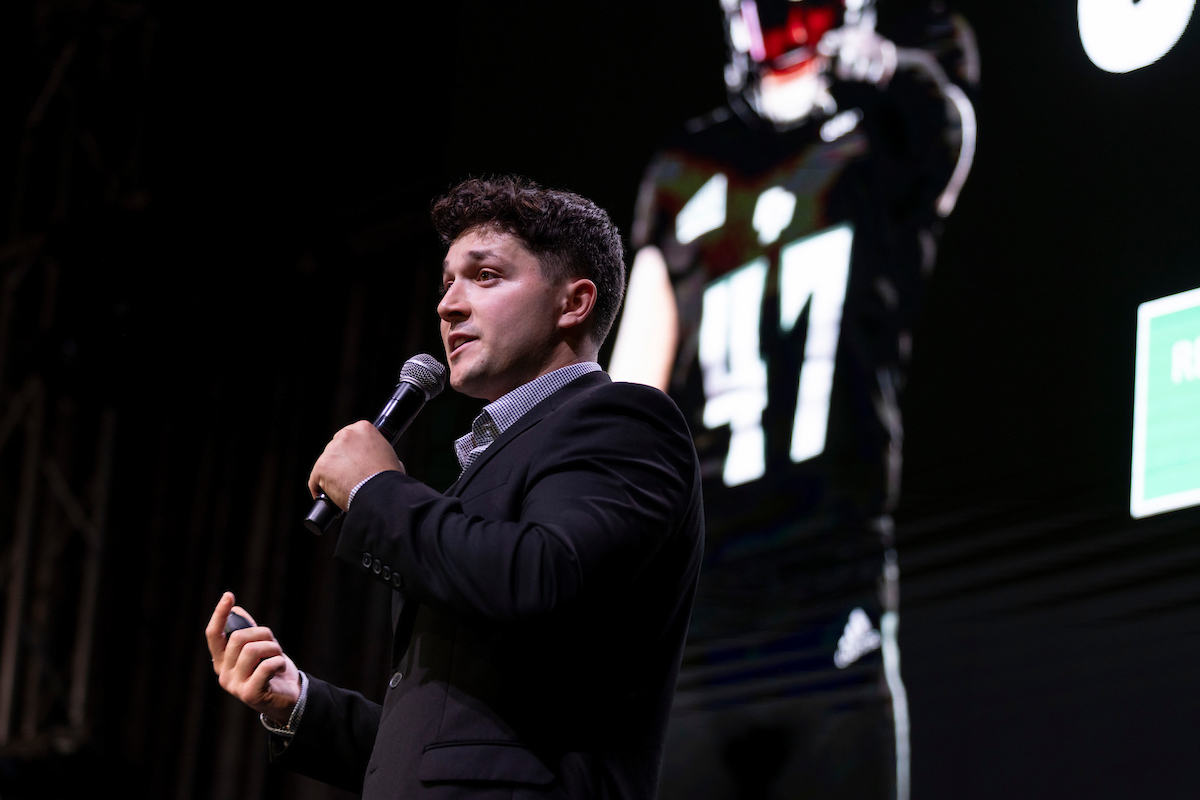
[{"x": 458, "y": 342}]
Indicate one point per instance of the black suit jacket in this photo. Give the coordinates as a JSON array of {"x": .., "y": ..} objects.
[{"x": 541, "y": 608}]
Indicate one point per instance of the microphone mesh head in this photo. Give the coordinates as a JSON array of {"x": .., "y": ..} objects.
[{"x": 426, "y": 373}]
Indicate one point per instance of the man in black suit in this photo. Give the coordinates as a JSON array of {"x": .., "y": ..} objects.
[{"x": 541, "y": 603}]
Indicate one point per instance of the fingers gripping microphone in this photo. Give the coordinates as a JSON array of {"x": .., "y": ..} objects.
[{"x": 422, "y": 378}]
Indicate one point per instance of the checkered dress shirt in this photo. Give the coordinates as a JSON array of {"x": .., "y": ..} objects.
[{"x": 499, "y": 416}]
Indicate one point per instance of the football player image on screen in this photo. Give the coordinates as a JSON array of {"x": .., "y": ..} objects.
[{"x": 782, "y": 244}]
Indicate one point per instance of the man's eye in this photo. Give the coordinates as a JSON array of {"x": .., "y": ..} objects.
[
  {"x": 485, "y": 275},
  {"x": 443, "y": 288}
]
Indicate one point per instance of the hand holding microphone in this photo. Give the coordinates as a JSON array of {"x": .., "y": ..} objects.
[
  {"x": 355, "y": 452},
  {"x": 360, "y": 450}
]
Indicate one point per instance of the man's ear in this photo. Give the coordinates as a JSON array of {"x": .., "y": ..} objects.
[{"x": 579, "y": 300}]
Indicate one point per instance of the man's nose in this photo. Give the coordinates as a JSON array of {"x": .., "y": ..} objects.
[{"x": 453, "y": 304}]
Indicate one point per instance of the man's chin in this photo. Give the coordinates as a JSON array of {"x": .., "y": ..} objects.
[{"x": 463, "y": 384}]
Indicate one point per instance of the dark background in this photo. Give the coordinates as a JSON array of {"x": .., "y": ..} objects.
[{"x": 217, "y": 238}]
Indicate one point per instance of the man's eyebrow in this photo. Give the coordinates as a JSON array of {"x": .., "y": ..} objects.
[{"x": 473, "y": 255}]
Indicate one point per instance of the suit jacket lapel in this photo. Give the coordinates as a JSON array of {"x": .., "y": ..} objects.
[
  {"x": 404, "y": 609},
  {"x": 528, "y": 420}
]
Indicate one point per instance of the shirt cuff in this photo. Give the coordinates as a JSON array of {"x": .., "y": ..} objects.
[
  {"x": 358, "y": 486},
  {"x": 289, "y": 730}
]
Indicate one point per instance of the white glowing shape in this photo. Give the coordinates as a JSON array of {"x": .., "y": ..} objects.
[
  {"x": 839, "y": 126},
  {"x": 786, "y": 99},
  {"x": 772, "y": 213},
  {"x": 647, "y": 337},
  {"x": 814, "y": 272},
  {"x": 704, "y": 212},
  {"x": 739, "y": 34},
  {"x": 889, "y": 625},
  {"x": 1121, "y": 35},
  {"x": 1185, "y": 360},
  {"x": 858, "y": 638},
  {"x": 735, "y": 375},
  {"x": 758, "y": 50}
]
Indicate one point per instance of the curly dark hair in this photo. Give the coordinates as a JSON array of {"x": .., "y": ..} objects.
[{"x": 570, "y": 235}]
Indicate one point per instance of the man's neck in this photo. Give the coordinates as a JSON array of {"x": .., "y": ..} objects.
[
  {"x": 562, "y": 356},
  {"x": 568, "y": 352}
]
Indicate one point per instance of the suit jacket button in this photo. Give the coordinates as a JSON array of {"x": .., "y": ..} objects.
[
  {"x": 367, "y": 560},
  {"x": 397, "y": 581},
  {"x": 376, "y": 565},
  {"x": 395, "y": 681},
  {"x": 387, "y": 573}
]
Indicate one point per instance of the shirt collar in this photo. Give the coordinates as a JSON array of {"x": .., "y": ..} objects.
[{"x": 503, "y": 413}]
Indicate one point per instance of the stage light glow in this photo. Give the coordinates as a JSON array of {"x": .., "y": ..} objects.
[
  {"x": 1124, "y": 35},
  {"x": 735, "y": 375},
  {"x": 704, "y": 212},
  {"x": 814, "y": 272},
  {"x": 1166, "y": 409}
]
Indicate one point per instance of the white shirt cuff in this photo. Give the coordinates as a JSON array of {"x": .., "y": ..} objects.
[{"x": 358, "y": 486}]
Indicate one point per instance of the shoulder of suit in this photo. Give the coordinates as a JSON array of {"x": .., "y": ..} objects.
[
  {"x": 635, "y": 397},
  {"x": 602, "y": 386}
]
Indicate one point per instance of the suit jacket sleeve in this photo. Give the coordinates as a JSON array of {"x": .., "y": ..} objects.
[
  {"x": 334, "y": 738},
  {"x": 587, "y": 496}
]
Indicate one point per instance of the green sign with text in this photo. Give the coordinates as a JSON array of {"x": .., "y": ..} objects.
[{"x": 1166, "y": 410}]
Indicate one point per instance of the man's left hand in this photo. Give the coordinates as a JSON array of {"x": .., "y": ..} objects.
[{"x": 356, "y": 452}]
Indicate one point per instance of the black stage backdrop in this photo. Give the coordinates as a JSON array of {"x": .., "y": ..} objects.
[{"x": 217, "y": 254}]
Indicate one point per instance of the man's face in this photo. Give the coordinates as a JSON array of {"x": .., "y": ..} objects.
[{"x": 499, "y": 314}]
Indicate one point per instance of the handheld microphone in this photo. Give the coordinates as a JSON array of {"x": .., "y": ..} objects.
[{"x": 422, "y": 378}]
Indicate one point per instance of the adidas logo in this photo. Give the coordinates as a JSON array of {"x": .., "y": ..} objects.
[{"x": 857, "y": 640}]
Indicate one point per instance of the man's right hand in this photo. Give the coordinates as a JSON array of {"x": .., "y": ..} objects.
[{"x": 251, "y": 665}]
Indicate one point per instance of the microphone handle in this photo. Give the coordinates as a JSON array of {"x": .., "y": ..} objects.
[
  {"x": 321, "y": 515},
  {"x": 400, "y": 411},
  {"x": 393, "y": 420}
]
